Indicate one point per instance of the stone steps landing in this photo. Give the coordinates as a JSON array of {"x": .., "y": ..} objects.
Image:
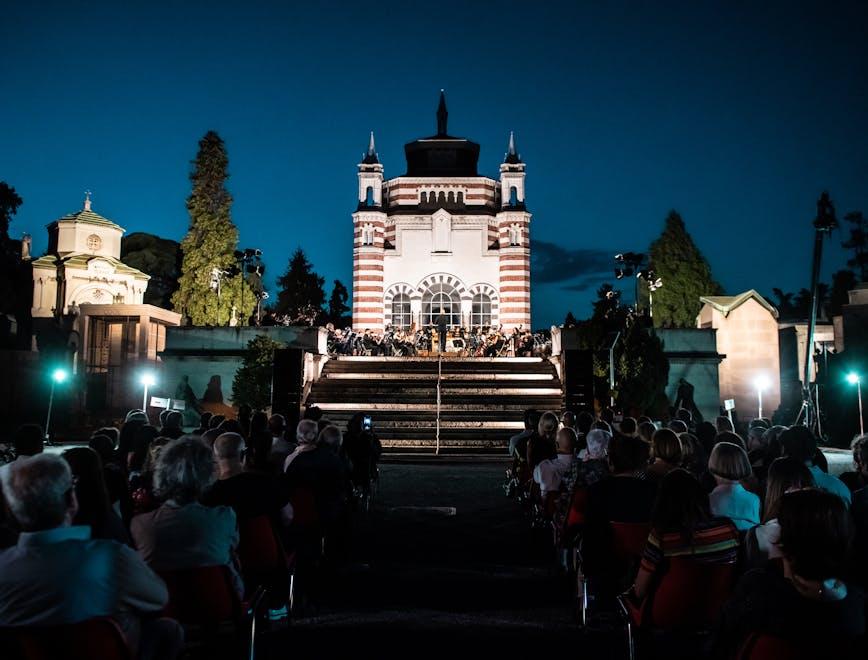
[{"x": 482, "y": 399}]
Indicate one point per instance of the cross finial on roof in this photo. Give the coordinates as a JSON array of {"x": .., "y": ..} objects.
[
  {"x": 442, "y": 114},
  {"x": 87, "y": 195}
]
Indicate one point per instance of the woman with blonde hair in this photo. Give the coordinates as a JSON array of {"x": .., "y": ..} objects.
[{"x": 729, "y": 465}]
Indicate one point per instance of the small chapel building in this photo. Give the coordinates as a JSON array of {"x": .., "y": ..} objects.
[{"x": 441, "y": 238}]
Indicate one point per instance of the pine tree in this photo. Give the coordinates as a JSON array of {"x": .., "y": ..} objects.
[
  {"x": 301, "y": 295},
  {"x": 252, "y": 382},
  {"x": 686, "y": 276},
  {"x": 858, "y": 243},
  {"x": 338, "y": 308},
  {"x": 570, "y": 320},
  {"x": 210, "y": 243}
]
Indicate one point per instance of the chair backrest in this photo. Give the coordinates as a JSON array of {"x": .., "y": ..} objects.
[
  {"x": 258, "y": 547},
  {"x": 629, "y": 539},
  {"x": 690, "y": 594},
  {"x": 576, "y": 515},
  {"x": 761, "y": 646},
  {"x": 204, "y": 595},
  {"x": 94, "y": 639},
  {"x": 304, "y": 511}
]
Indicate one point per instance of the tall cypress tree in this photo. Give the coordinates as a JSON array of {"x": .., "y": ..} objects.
[
  {"x": 686, "y": 276},
  {"x": 301, "y": 295},
  {"x": 210, "y": 243}
]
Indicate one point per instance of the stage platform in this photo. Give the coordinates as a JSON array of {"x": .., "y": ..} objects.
[{"x": 482, "y": 399}]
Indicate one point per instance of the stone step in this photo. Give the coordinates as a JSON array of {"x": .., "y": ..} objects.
[
  {"x": 398, "y": 407},
  {"x": 433, "y": 377}
]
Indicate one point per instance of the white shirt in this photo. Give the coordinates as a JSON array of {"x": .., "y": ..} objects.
[
  {"x": 550, "y": 472},
  {"x": 767, "y": 538}
]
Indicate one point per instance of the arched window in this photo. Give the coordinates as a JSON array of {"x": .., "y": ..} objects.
[
  {"x": 514, "y": 234},
  {"x": 423, "y": 198},
  {"x": 401, "y": 317},
  {"x": 480, "y": 315},
  {"x": 450, "y": 198},
  {"x": 513, "y": 196},
  {"x": 368, "y": 234},
  {"x": 460, "y": 198},
  {"x": 369, "y": 196},
  {"x": 441, "y": 299},
  {"x": 441, "y": 198}
]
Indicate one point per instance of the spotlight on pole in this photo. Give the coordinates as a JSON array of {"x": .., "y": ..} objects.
[
  {"x": 58, "y": 376},
  {"x": 761, "y": 383},
  {"x": 147, "y": 379},
  {"x": 854, "y": 379}
]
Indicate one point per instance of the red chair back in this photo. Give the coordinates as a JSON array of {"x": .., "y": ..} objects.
[
  {"x": 258, "y": 548},
  {"x": 760, "y": 646},
  {"x": 628, "y": 540},
  {"x": 304, "y": 512},
  {"x": 576, "y": 515},
  {"x": 690, "y": 594},
  {"x": 94, "y": 639},
  {"x": 202, "y": 596}
]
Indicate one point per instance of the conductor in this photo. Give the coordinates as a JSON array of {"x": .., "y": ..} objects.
[{"x": 442, "y": 323}]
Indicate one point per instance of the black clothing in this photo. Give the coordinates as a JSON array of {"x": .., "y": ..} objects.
[
  {"x": 250, "y": 494},
  {"x": 363, "y": 451},
  {"x": 764, "y": 601},
  {"x": 323, "y": 473},
  {"x": 621, "y": 499}
]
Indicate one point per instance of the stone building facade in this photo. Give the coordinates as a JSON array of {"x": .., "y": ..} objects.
[{"x": 441, "y": 238}]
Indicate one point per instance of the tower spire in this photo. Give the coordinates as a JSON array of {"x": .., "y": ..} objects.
[
  {"x": 512, "y": 156},
  {"x": 442, "y": 115},
  {"x": 87, "y": 200},
  {"x": 371, "y": 154}
]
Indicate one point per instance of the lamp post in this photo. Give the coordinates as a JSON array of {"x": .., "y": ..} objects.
[
  {"x": 855, "y": 379},
  {"x": 147, "y": 380},
  {"x": 761, "y": 382},
  {"x": 57, "y": 377}
]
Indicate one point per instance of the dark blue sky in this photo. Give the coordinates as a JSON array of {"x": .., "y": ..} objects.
[{"x": 735, "y": 113}]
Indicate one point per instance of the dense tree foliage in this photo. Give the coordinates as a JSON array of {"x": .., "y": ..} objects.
[
  {"x": 686, "y": 275},
  {"x": 252, "y": 382},
  {"x": 858, "y": 243},
  {"x": 15, "y": 278},
  {"x": 301, "y": 296},
  {"x": 210, "y": 243},
  {"x": 158, "y": 257},
  {"x": 338, "y": 312}
]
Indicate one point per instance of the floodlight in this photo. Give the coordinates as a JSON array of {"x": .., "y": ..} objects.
[
  {"x": 853, "y": 378},
  {"x": 59, "y": 375}
]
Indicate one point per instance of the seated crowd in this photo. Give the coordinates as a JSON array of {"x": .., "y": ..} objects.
[
  {"x": 111, "y": 530},
  {"x": 690, "y": 526}
]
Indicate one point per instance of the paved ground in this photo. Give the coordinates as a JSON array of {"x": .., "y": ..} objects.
[{"x": 445, "y": 557}]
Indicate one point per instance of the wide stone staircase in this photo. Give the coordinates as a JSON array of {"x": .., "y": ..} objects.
[{"x": 482, "y": 400}]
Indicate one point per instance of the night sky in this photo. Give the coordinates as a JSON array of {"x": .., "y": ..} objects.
[{"x": 736, "y": 114}]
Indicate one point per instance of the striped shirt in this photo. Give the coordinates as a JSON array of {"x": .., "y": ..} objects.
[{"x": 714, "y": 541}]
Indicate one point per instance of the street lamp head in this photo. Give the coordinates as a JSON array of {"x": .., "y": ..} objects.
[
  {"x": 147, "y": 379},
  {"x": 59, "y": 375},
  {"x": 761, "y": 382},
  {"x": 853, "y": 378}
]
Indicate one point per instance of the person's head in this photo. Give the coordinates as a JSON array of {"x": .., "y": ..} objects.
[
  {"x": 163, "y": 416},
  {"x": 772, "y": 441},
  {"x": 313, "y": 413},
  {"x": 584, "y": 421},
  {"x": 39, "y": 492},
  {"x": 566, "y": 440},
  {"x": 598, "y": 443},
  {"x": 110, "y": 432},
  {"x": 816, "y": 533},
  {"x": 173, "y": 420},
  {"x": 330, "y": 437},
  {"x": 646, "y": 431},
  {"x": 231, "y": 426},
  {"x": 681, "y": 503},
  {"x": 141, "y": 445},
  {"x": 258, "y": 451},
  {"x": 126, "y": 440},
  {"x": 216, "y": 421},
  {"x": 626, "y": 454},
  {"x": 277, "y": 425},
  {"x": 628, "y": 427},
  {"x": 602, "y": 426},
  {"x": 723, "y": 424},
  {"x": 548, "y": 425},
  {"x": 90, "y": 488},
  {"x": 785, "y": 474},
  {"x": 685, "y": 416},
  {"x": 760, "y": 422},
  {"x": 860, "y": 454},
  {"x": 689, "y": 451},
  {"x": 136, "y": 415},
  {"x": 185, "y": 468},
  {"x": 102, "y": 445},
  {"x": 666, "y": 447},
  {"x": 799, "y": 443},
  {"x": 731, "y": 437},
  {"x": 729, "y": 462},
  {"x": 531, "y": 419},
  {"x": 568, "y": 419},
  {"x": 245, "y": 411},
  {"x": 205, "y": 419},
  {"x": 706, "y": 432},
  {"x": 678, "y": 426},
  {"x": 306, "y": 432},
  {"x": 756, "y": 436},
  {"x": 259, "y": 422},
  {"x": 27, "y": 440},
  {"x": 323, "y": 422},
  {"x": 229, "y": 450}
]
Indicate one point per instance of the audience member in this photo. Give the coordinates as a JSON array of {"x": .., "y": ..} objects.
[
  {"x": 799, "y": 443},
  {"x": 172, "y": 426},
  {"x": 706, "y": 432},
  {"x": 114, "y": 475},
  {"x": 568, "y": 420},
  {"x": 542, "y": 445},
  {"x": 803, "y": 597},
  {"x": 518, "y": 442},
  {"x": 724, "y": 424},
  {"x": 678, "y": 426},
  {"x": 621, "y": 496},
  {"x": 731, "y": 437},
  {"x": 94, "y": 507},
  {"x": 363, "y": 449},
  {"x": 28, "y": 440},
  {"x": 306, "y": 434},
  {"x": 280, "y": 445},
  {"x": 594, "y": 463},
  {"x": 182, "y": 533},
  {"x": 729, "y": 465},
  {"x": 646, "y": 432},
  {"x": 682, "y": 524},
  {"x": 858, "y": 478},
  {"x": 204, "y": 418},
  {"x": 761, "y": 542},
  {"x": 550, "y": 473},
  {"x": 57, "y": 574},
  {"x": 628, "y": 427},
  {"x": 666, "y": 454}
]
